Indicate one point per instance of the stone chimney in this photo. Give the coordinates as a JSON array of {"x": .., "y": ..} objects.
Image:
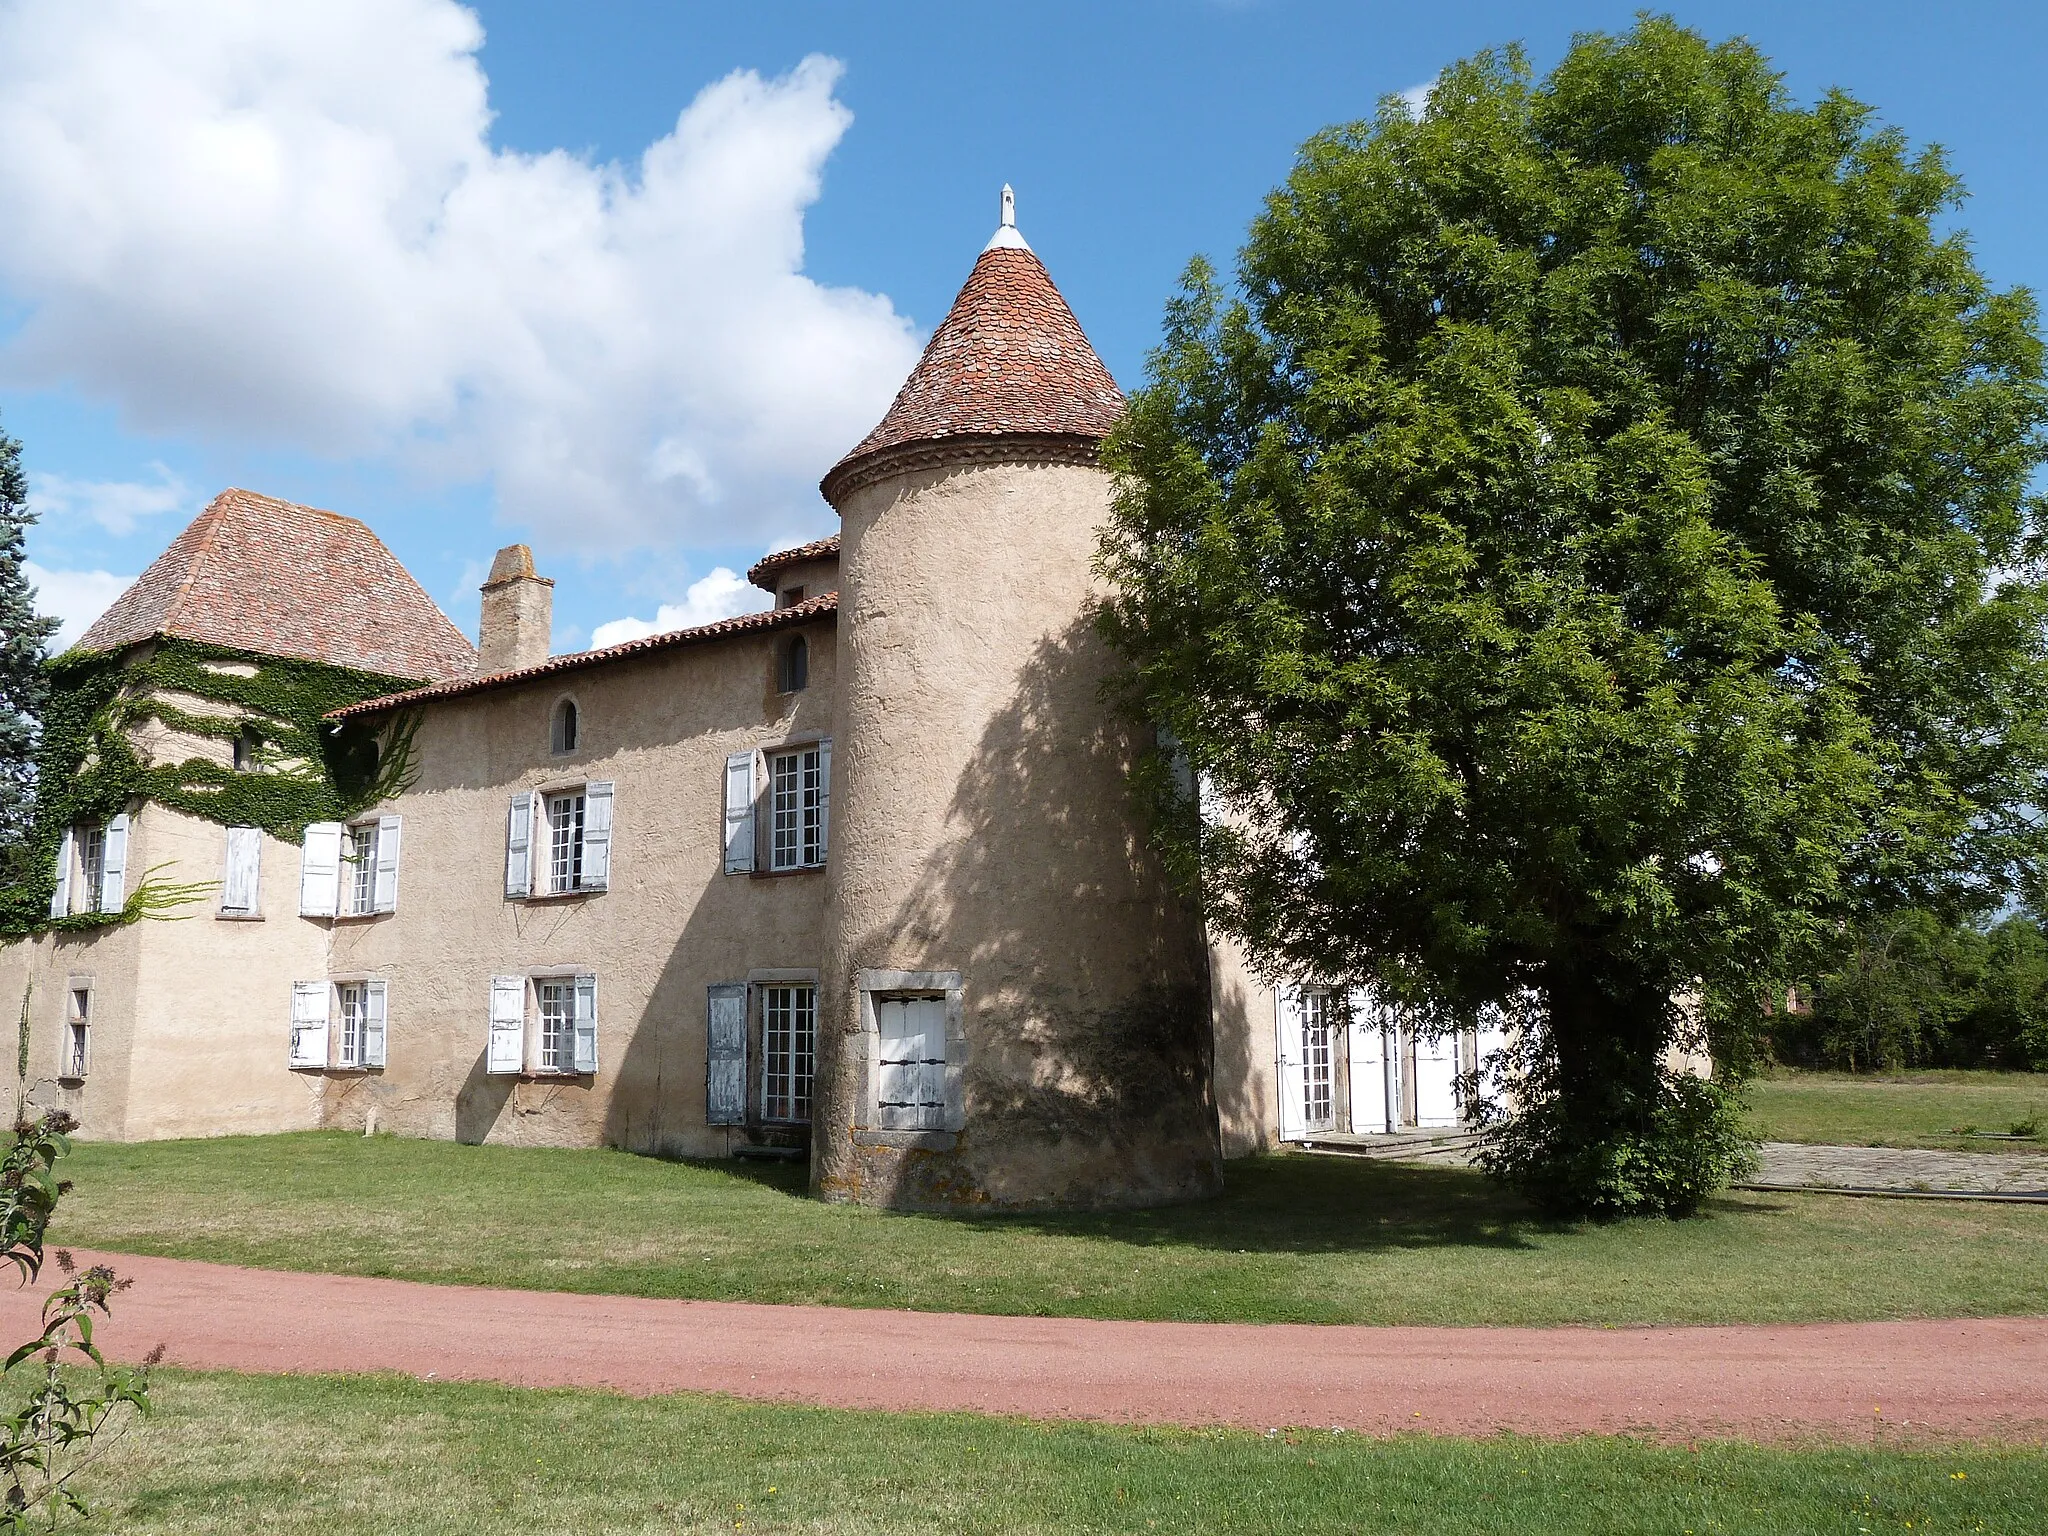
[{"x": 519, "y": 614}]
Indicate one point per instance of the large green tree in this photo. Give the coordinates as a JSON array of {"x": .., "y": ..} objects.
[
  {"x": 23, "y": 637},
  {"x": 1588, "y": 560}
]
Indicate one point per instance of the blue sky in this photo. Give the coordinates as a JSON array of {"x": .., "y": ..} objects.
[{"x": 352, "y": 257}]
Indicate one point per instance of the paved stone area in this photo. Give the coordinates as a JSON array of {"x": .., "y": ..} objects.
[
  {"x": 1977, "y": 1378},
  {"x": 1791, "y": 1164}
]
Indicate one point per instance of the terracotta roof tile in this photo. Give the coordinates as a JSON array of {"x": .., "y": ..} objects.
[
  {"x": 270, "y": 576},
  {"x": 762, "y": 572},
  {"x": 1008, "y": 358},
  {"x": 576, "y": 661}
]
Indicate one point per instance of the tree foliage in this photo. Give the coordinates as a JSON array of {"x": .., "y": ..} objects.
[
  {"x": 23, "y": 636},
  {"x": 1588, "y": 560}
]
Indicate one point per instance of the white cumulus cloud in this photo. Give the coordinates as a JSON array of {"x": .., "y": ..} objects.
[
  {"x": 76, "y": 597},
  {"x": 720, "y": 595},
  {"x": 116, "y": 505},
  {"x": 283, "y": 223}
]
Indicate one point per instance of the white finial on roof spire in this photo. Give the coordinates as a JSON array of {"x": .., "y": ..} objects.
[{"x": 1006, "y": 236}]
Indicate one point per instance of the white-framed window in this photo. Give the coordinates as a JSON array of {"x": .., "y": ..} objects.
[
  {"x": 350, "y": 870},
  {"x": 796, "y": 809},
  {"x": 789, "y": 1032},
  {"x": 543, "y": 1026},
  {"x": 77, "y": 1047},
  {"x": 1322, "y": 1019},
  {"x": 92, "y": 861},
  {"x": 339, "y": 1025},
  {"x": 92, "y": 868},
  {"x": 558, "y": 842}
]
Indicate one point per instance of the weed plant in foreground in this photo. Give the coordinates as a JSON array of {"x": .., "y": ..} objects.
[
  {"x": 1293, "y": 1239},
  {"x": 340, "y": 1455}
]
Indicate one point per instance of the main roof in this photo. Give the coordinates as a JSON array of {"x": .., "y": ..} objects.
[
  {"x": 258, "y": 574},
  {"x": 1008, "y": 359},
  {"x": 820, "y": 607}
]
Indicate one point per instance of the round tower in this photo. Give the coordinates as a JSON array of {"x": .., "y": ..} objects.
[{"x": 1014, "y": 1007}]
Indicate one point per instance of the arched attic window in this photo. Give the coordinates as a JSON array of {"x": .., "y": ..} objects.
[
  {"x": 562, "y": 730},
  {"x": 793, "y": 665}
]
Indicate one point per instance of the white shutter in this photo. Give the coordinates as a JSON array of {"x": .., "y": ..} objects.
[
  {"x": 586, "y": 1023},
  {"x": 597, "y": 836},
  {"x": 309, "y": 1024},
  {"x": 320, "y": 869},
  {"x": 739, "y": 813},
  {"x": 1287, "y": 1022},
  {"x": 507, "y": 1051},
  {"x": 824, "y": 799},
  {"x": 911, "y": 1064},
  {"x": 67, "y": 855},
  {"x": 384, "y": 895},
  {"x": 725, "y": 1054},
  {"x": 114, "y": 866},
  {"x": 373, "y": 1023},
  {"x": 518, "y": 844},
  {"x": 1373, "y": 1086},
  {"x": 245, "y": 858}
]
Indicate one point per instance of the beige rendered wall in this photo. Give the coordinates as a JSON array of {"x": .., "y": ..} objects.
[
  {"x": 1247, "y": 1052},
  {"x": 984, "y": 826},
  {"x": 659, "y": 725}
]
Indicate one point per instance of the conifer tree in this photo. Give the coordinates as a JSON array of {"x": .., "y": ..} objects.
[{"x": 24, "y": 637}]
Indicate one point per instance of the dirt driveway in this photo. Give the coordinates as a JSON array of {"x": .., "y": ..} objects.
[{"x": 1973, "y": 1379}]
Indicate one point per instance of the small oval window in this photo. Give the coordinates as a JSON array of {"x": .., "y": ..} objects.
[
  {"x": 562, "y": 737},
  {"x": 794, "y": 672}
]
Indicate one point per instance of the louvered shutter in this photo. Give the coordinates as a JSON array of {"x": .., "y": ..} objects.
[
  {"x": 320, "y": 869},
  {"x": 725, "y": 1074},
  {"x": 384, "y": 895},
  {"x": 309, "y": 1024},
  {"x": 114, "y": 866},
  {"x": 507, "y": 1049},
  {"x": 245, "y": 856},
  {"x": 67, "y": 855},
  {"x": 824, "y": 798},
  {"x": 518, "y": 846},
  {"x": 597, "y": 836},
  {"x": 373, "y": 1023},
  {"x": 739, "y": 813},
  {"x": 586, "y": 1023}
]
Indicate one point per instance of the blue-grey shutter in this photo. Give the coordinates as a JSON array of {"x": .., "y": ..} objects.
[
  {"x": 597, "y": 836},
  {"x": 114, "y": 865},
  {"x": 725, "y": 1075},
  {"x": 384, "y": 878},
  {"x": 518, "y": 846},
  {"x": 67, "y": 855},
  {"x": 586, "y": 1023},
  {"x": 739, "y": 813}
]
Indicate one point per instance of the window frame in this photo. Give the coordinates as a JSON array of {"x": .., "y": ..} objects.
[
  {"x": 806, "y": 808},
  {"x": 92, "y": 866},
  {"x": 875, "y": 986},
  {"x": 793, "y": 665},
  {"x": 75, "y": 1049},
  {"x": 358, "y": 869},
  {"x": 573, "y": 843},
  {"x": 798, "y": 1068},
  {"x": 566, "y": 709},
  {"x": 533, "y": 1023}
]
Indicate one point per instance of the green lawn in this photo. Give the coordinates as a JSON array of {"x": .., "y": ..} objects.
[
  {"x": 1294, "y": 1239},
  {"x": 333, "y": 1455},
  {"x": 1908, "y": 1109}
]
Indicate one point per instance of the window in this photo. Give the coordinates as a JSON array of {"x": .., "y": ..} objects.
[
  {"x": 543, "y": 1025},
  {"x": 565, "y": 841},
  {"x": 789, "y": 598},
  {"x": 246, "y": 744},
  {"x": 911, "y": 1089},
  {"x": 562, "y": 732},
  {"x": 789, "y": 1020},
  {"x": 91, "y": 869},
  {"x": 793, "y": 666},
  {"x": 796, "y": 789},
  {"x": 559, "y": 842},
  {"x": 77, "y": 1034},
  {"x": 349, "y": 996},
  {"x": 359, "y": 869},
  {"x": 1319, "y": 1018},
  {"x": 92, "y": 865}
]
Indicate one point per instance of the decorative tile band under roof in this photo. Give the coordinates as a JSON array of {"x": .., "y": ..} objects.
[
  {"x": 577, "y": 661},
  {"x": 783, "y": 559},
  {"x": 1008, "y": 359}
]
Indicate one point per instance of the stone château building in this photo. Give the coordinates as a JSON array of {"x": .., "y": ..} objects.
[{"x": 858, "y": 872}]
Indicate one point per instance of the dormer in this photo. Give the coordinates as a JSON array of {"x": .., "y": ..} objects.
[{"x": 798, "y": 575}]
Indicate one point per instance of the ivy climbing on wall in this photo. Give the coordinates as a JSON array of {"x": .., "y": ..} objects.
[{"x": 297, "y": 767}]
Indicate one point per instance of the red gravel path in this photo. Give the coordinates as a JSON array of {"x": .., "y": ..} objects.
[{"x": 1978, "y": 1379}]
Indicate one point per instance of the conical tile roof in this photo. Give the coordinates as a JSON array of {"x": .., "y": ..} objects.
[
  {"x": 258, "y": 574},
  {"x": 1009, "y": 358}
]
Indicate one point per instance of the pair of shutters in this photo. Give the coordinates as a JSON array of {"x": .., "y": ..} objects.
[
  {"x": 113, "y": 871},
  {"x": 238, "y": 892},
  {"x": 745, "y": 783},
  {"x": 911, "y": 1079},
  {"x": 526, "y": 826},
  {"x": 311, "y": 1002},
  {"x": 506, "y": 1051},
  {"x": 320, "y": 871}
]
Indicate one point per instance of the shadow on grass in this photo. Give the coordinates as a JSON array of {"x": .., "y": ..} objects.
[{"x": 1284, "y": 1204}]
